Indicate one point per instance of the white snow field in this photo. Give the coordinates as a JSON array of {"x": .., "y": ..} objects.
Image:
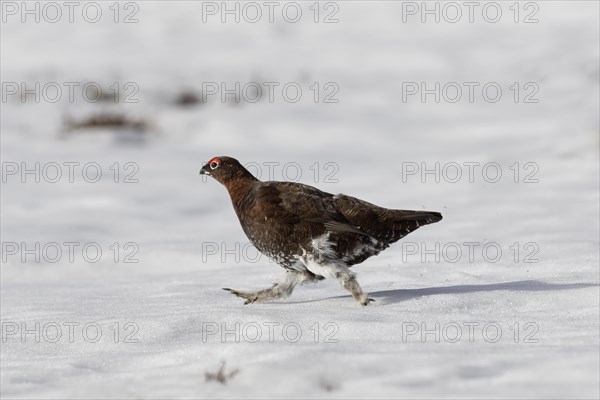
[{"x": 498, "y": 300}]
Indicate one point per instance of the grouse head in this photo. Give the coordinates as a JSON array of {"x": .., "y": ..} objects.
[{"x": 226, "y": 170}]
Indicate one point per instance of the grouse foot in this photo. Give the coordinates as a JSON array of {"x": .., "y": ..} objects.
[
  {"x": 363, "y": 299},
  {"x": 274, "y": 292},
  {"x": 281, "y": 289},
  {"x": 250, "y": 297}
]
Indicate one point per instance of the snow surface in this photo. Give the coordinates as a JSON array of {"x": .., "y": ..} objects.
[{"x": 528, "y": 329}]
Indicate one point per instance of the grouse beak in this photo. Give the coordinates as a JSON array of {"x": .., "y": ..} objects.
[{"x": 204, "y": 170}]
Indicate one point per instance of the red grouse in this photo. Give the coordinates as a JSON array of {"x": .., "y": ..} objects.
[{"x": 312, "y": 234}]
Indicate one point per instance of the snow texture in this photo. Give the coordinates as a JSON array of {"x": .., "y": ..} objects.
[{"x": 446, "y": 323}]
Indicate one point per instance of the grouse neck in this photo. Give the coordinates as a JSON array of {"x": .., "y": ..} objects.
[
  {"x": 240, "y": 188},
  {"x": 241, "y": 193}
]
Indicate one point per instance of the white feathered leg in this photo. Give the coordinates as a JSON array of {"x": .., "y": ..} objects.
[{"x": 283, "y": 288}]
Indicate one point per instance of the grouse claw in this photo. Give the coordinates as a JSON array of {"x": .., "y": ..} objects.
[
  {"x": 366, "y": 302},
  {"x": 250, "y": 297}
]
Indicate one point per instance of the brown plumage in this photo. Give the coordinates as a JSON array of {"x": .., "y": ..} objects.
[{"x": 311, "y": 233}]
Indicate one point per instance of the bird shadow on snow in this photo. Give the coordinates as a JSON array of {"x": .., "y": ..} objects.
[{"x": 400, "y": 295}]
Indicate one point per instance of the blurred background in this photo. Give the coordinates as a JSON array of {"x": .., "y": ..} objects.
[{"x": 109, "y": 109}]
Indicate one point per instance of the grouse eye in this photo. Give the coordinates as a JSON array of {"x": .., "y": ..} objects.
[{"x": 214, "y": 165}]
